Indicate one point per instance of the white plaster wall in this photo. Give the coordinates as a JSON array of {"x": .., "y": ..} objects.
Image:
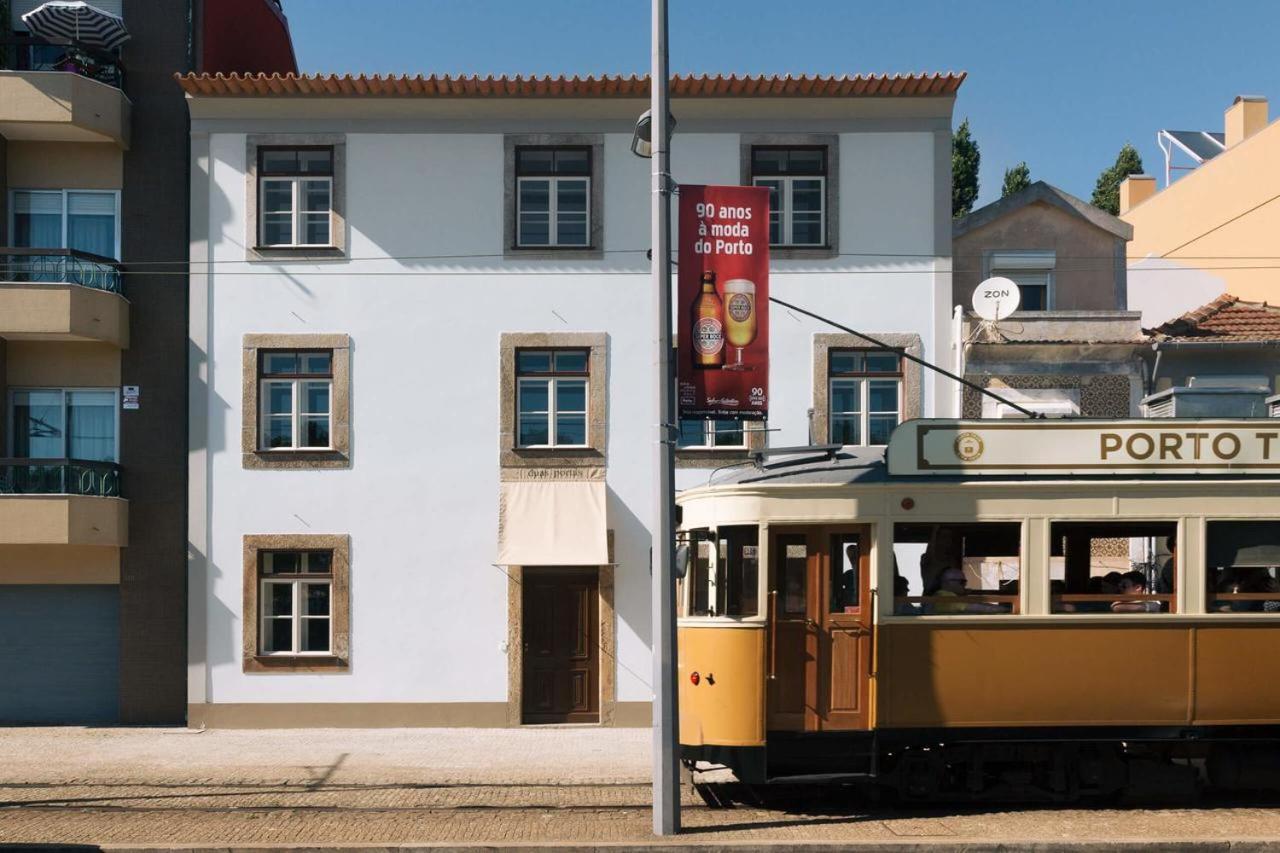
[{"x": 419, "y": 501}]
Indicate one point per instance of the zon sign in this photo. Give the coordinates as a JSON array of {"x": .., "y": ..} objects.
[{"x": 1047, "y": 448}]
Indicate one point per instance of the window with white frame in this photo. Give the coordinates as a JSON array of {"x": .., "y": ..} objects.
[
  {"x": 865, "y": 395},
  {"x": 553, "y": 196},
  {"x": 295, "y": 196},
  {"x": 551, "y": 397},
  {"x": 797, "y": 181},
  {"x": 712, "y": 433},
  {"x": 296, "y": 399},
  {"x": 296, "y": 603},
  {"x": 63, "y": 423},
  {"x": 85, "y": 220}
]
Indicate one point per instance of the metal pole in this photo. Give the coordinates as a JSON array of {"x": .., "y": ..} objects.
[{"x": 666, "y": 754}]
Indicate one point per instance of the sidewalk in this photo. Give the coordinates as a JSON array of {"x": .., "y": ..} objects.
[{"x": 584, "y": 787}]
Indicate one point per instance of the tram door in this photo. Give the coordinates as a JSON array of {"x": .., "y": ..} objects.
[{"x": 820, "y": 623}]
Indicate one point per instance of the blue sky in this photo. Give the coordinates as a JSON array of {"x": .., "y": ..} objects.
[{"x": 1061, "y": 85}]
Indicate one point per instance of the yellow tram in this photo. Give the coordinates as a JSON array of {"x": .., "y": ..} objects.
[{"x": 986, "y": 608}]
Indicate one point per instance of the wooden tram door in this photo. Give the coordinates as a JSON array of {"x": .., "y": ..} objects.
[
  {"x": 820, "y": 615},
  {"x": 561, "y": 677}
]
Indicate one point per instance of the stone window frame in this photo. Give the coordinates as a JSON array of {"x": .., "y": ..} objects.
[
  {"x": 337, "y": 199},
  {"x": 253, "y": 457},
  {"x": 339, "y": 603},
  {"x": 510, "y": 455},
  {"x": 912, "y": 380},
  {"x": 831, "y": 141},
  {"x": 510, "y": 249}
]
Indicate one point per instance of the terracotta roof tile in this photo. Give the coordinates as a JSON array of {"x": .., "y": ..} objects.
[
  {"x": 1226, "y": 318},
  {"x": 606, "y": 86}
]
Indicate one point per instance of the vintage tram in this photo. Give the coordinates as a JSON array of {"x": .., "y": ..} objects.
[{"x": 990, "y": 609}]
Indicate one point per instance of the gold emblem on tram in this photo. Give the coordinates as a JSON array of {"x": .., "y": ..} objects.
[{"x": 969, "y": 446}]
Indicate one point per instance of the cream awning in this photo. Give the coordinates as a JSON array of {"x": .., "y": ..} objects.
[{"x": 552, "y": 523}]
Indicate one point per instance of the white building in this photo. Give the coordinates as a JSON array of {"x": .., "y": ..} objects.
[{"x": 380, "y": 332}]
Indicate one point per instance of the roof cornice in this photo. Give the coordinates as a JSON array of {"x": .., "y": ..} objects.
[
  {"x": 1048, "y": 194},
  {"x": 605, "y": 86}
]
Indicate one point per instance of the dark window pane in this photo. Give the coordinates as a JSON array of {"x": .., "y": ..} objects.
[
  {"x": 882, "y": 362},
  {"x": 1035, "y": 297},
  {"x": 768, "y": 161},
  {"x": 534, "y": 160},
  {"x": 281, "y": 599},
  {"x": 283, "y": 562},
  {"x": 846, "y": 430},
  {"x": 883, "y": 395},
  {"x": 571, "y": 395},
  {"x": 728, "y": 433},
  {"x": 316, "y": 161},
  {"x": 279, "y": 432},
  {"x": 317, "y": 600},
  {"x": 571, "y": 196},
  {"x": 279, "y": 160},
  {"x": 319, "y": 561},
  {"x": 528, "y": 361},
  {"x": 535, "y": 396},
  {"x": 315, "y": 635},
  {"x": 571, "y": 231},
  {"x": 315, "y": 431},
  {"x": 280, "y": 635},
  {"x": 277, "y": 229},
  {"x": 534, "y": 430},
  {"x": 692, "y": 432},
  {"x": 806, "y": 233},
  {"x": 793, "y": 573},
  {"x": 845, "y": 570},
  {"x": 571, "y": 429},
  {"x": 317, "y": 363},
  {"x": 881, "y": 428},
  {"x": 846, "y": 395},
  {"x": 280, "y": 362},
  {"x": 844, "y": 361},
  {"x": 572, "y": 161},
  {"x": 571, "y": 361},
  {"x": 806, "y": 161},
  {"x": 535, "y": 196},
  {"x": 535, "y": 230}
]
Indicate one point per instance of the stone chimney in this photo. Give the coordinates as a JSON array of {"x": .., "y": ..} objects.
[
  {"x": 1245, "y": 117},
  {"x": 1134, "y": 190}
]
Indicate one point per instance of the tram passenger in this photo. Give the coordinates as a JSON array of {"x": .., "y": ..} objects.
[
  {"x": 951, "y": 585},
  {"x": 901, "y": 589},
  {"x": 1134, "y": 583},
  {"x": 942, "y": 555},
  {"x": 1164, "y": 583}
]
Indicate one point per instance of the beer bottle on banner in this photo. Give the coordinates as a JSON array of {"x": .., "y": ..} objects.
[{"x": 708, "y": 325}]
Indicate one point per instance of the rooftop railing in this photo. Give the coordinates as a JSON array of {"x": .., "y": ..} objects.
[
  {"x": 59, "y": 477},
  {"x": 36, "y": 53},
  {"x": 59, "y": 266}
]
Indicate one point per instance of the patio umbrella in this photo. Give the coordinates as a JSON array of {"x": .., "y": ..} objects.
[{"x": 76, "y": 19}]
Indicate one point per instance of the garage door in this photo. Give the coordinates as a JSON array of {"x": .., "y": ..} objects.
[{"x": 59, "y": 654}]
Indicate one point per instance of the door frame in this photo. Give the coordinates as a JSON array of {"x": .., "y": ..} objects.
[
  {"x": 606, "y": 652},
  {"x": 815, "y": 681}
]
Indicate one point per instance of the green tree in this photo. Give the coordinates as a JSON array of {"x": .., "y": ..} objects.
[
  {"x": 965, "y": 158},
  {"x": 1106, "y": 195},
  {"x": 1016, "y": 179}
]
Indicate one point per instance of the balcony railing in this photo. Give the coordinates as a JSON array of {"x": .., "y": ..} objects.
[
  {"x": 59, "y": 477},
  {"x": 59, "y": 266},
  {"x": 34, "y": 53}
]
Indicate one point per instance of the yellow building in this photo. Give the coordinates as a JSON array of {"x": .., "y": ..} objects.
[{"x": 1214, "y": 229}]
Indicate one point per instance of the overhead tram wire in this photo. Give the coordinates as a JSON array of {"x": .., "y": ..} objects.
[{"x": 901, "y": 351}]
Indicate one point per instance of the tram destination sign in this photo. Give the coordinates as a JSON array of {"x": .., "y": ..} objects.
[{"x": 1064, "y": 447}]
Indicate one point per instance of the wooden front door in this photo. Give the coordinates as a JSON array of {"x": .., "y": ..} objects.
[
  {"x": 820, "y": 625},
  {"x": 561, "y": 670}
]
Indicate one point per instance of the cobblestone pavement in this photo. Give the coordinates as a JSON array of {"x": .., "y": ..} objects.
[{"x": 580, "y": 786}]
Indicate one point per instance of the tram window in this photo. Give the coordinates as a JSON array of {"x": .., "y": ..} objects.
[
  {"x": 1112, "y": 566},
  {"x": 946, "y": 569},
  {"x": 1242, "y": 567},
  {"x": 699, "y": 576},
  {"x": 737, "y": 572},
  {"x": 792, "y": 572},
  {"x": 846, "y": 572}
]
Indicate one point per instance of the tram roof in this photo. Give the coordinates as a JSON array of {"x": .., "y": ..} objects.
[{"x": 817, "y": 466}]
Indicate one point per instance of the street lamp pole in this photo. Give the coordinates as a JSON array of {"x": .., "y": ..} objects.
[{"x": 666, "y": 757}]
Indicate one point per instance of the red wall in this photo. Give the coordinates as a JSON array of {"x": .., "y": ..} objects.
[{"x": 245, "y": 36}]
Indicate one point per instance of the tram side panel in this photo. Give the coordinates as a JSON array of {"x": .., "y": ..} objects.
[
  {"x": 975, "y": 675},
  {"x": 722, "y": 709}
]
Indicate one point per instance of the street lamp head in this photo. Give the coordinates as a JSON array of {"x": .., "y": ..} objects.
[{"x": 642, "y": 136}]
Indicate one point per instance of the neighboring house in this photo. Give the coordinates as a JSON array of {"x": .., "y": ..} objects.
[
  {"x": 1071, "y": 349},
  {"x": 1220, "y": 360},
  {"x": 1213, "y": 229},
  {"x": 92, "y": 307},
  {"x": 422, "y": 325}
]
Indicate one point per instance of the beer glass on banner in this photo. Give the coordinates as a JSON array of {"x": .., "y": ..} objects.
[{"x": 739, "y": 317}]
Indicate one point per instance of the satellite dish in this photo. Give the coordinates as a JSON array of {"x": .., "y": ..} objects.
[{"x": 996, "y": 298}]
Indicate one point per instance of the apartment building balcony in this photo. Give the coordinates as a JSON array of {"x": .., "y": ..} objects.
[
  {"x": 61, "y": 295},
  {"x": 61, "y": 90},
  {"x": 62, "y": 502}
]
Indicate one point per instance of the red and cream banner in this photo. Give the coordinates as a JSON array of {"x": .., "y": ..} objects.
[{"x": 723, "y": 302}]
